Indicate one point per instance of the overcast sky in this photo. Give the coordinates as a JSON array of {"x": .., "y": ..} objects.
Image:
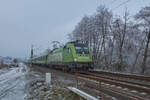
[{"x": 39, "y": 22}]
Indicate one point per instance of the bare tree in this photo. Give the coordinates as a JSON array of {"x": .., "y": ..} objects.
[
  {"x": 116, "y": 43},
  {"x": 111, "y": 44},
  {"x": 145, "y": 53},
  {"x": 101, "y": 23},
  {"x": 139, "y": 50},
  {"x": 144, "y": 17},
  {"x": 2, "y": 62},
  {"x": 56, "y": 44},
  {"x": 15, "y": 60},
  {"x": 47, "y": 50},
  {"x": 121, "y": 30}
]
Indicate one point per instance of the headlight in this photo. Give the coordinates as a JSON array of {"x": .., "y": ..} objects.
[{"x": 75, "y": 59}]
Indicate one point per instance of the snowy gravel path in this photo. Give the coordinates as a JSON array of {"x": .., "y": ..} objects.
[{"x": 12, "y": 83}]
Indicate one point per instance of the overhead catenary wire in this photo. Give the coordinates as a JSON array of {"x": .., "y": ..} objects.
[
  {"x": 113, "y": 1},
  {"x": 121, "y": 4}
]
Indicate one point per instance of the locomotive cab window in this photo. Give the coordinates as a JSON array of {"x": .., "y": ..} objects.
[{"x": 81, "y": 49}]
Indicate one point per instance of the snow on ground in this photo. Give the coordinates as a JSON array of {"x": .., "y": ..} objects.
[
  {"x": 12, "y": 83},
  {"x": 6, "y": 60}
]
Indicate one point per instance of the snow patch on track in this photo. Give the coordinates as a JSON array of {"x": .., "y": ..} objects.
[{"x": 12, "y": 83}]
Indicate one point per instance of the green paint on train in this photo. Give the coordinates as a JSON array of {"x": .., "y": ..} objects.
[{"x": 73, "y": 55}]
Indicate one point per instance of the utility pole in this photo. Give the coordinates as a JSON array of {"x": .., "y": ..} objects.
[
  {"x": 31, "y": 54},
  {"x": 31, "y": 51}
]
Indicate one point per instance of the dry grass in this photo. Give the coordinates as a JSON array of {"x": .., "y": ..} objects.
[{"x": 3, "y": 66}]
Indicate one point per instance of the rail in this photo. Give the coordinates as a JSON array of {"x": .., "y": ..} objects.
[
  {"x": 117, "y": 74},
  {"x": 93, "y": 85}
]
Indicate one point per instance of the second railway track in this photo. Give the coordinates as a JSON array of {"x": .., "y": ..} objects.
[
  {"x": 142, "y": 81},
  {"x": 131, "y": 76},
  {"x": 138, "y": 85}
]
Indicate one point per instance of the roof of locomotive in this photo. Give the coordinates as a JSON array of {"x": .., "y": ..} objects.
[{"x": 76, "y": 42}]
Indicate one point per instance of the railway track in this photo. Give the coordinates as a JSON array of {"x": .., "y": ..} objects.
[
  {"x": 135, "y": 86},
  {"x": 131, "y": 76},
  {"x": 134, "y": 79}
]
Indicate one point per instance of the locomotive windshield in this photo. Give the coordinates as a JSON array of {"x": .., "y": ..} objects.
[{"x": 81, "y": 49}]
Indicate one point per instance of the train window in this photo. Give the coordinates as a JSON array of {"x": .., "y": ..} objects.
[
  {"x": 81, "y": 49},
  {"x": 78, "y": 50},
  {"x": 69, "y": 50},
  {"x": 86, "y": 50}
]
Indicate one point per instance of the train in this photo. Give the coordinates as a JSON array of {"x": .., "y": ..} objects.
[{"x": 74, "y": 55}]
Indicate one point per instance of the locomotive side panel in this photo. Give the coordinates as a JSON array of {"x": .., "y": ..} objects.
[
  {"x": 56, "y": 56},
  {"x": 68, "y": 53}
]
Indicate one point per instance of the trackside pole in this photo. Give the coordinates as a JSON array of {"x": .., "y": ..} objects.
[
  {"x": 76, "y": 77},
  {"x": 48, "y": 78}
]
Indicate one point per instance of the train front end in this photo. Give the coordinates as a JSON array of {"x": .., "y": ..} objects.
[{"x": 82, "y": 56}]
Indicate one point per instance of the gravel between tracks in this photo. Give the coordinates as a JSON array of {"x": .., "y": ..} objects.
[{"x": 37, "y": 89}]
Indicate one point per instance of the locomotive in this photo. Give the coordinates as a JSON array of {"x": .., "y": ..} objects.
[{"x": 73, "y": 56}]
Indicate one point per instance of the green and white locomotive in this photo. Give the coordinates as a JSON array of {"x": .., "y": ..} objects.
[{"x": 74, "y": 55}]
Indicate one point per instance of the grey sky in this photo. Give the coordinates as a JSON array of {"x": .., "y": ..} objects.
[{"x": 39, "y": 22}]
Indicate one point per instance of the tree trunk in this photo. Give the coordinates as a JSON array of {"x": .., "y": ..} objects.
[
  {"x": 145, "y": 54},
  {"x": 137, "y": 55}
]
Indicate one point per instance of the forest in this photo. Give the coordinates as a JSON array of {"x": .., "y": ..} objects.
[{"x": 118, "y": 43}]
